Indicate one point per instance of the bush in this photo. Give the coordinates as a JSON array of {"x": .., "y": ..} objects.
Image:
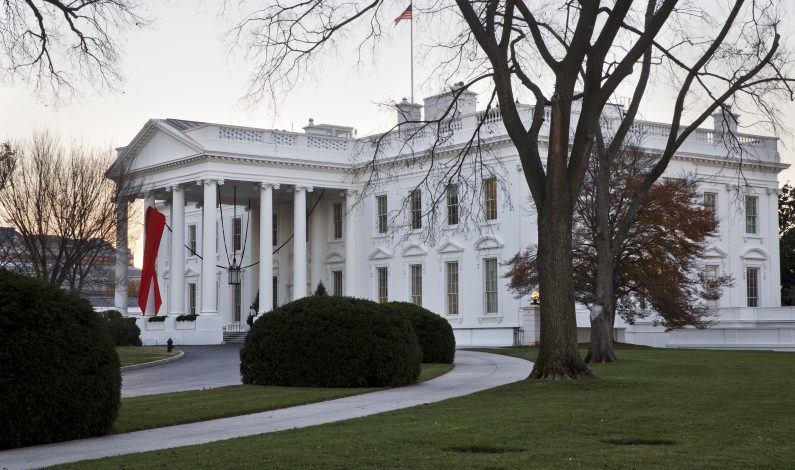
[
  {"x": 328, "y": 341},
  {"x": 123, "y": 331},
  {"x": 156, "y": 319},
  {"x": 433, "y": 332},
  {"x": 187, "y": 317},
  {"x": 59, "y": 372}
]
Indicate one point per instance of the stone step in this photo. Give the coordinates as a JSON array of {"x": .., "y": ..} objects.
[{"x": 236, "y": 337}]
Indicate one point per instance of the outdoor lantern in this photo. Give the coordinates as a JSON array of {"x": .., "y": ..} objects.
[
  {"x": 234, "y": 273},
  {"x": 534, "y": 297}
]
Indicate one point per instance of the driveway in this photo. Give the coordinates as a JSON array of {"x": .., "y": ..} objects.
[{"x": 202, "y": 367}]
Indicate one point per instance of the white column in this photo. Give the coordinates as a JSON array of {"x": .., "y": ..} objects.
[
  {"x": 120, "y": 297},
  {"x": 177, "y": 295},
  {"x": 299, "y": 241},
  {"x": 266, "y": 246},
  {"x": 209, "y": 291},
  {"x": 349, "y": 282},
  {"x": 317, "y": 244}
]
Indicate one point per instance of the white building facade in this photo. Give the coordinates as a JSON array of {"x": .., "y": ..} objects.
[{"x": 297, "y": 209}]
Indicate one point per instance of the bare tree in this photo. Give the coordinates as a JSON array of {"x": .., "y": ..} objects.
[
  {"x": 565, "y": 55},
  {"x": 64, "y": 212},
  {"x": 55, "y": 44}
]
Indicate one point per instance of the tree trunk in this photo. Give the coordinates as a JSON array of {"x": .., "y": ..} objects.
[
  {"x": 558, "y": 357},
  {"x": 600, "y": 348}
]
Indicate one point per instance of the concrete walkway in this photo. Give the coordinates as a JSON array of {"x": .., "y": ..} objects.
[{"x": 473, "y": 372}]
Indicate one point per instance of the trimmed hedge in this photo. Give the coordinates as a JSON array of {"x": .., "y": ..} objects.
[
  {"x": 433, "y": 332},
  {"x": 329, "y": 341},
  {"x": 59, "y": 372},
  {"x": 123, "y": 331}
]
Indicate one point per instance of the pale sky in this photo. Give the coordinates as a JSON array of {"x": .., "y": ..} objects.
[{"x": 179, "y": 67}]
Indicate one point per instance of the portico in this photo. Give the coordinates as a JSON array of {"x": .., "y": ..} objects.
[{"x": 281, "y": 236}]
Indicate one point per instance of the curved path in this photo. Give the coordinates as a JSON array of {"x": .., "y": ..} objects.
[
  {"x": 473, "y": 372},
  {"x": 202, "y": 367}
]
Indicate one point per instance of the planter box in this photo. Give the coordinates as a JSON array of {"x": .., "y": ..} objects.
[
  {"x": 185, "y": 325},
  {"x": 155, "y": 325}
]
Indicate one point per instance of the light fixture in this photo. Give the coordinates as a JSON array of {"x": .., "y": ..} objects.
[{"x": 234, "y": 273}]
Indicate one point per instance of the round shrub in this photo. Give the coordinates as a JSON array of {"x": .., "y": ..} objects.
[
  {"x": 59, "y": 372},
  {"x": 123, "y": 331},
  {"x": 328, "y": 341},
  {"x": 433, "y": 332}
]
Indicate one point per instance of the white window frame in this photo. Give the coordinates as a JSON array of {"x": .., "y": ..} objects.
[
  {"x": 335, "y": 290},
  {"x": 490, "y": 212},
  {"x": 453, "y": 209},
  {"x": 713, "y": 207},
  {"x": 752, "y": 217},
  {"x": 381, "y": 218},
  {"x": 275, "y": 229},
  {"x": 415, "y": 206},
  {"x": 382, "y": 269},
  {"x": 237, "y": 233},
  {"x": 495, "y": 293},
  {"x": 193, "y": 245},
  {"x": 192, "y": 298},
  {"x": 757, "y": 287},
  {"x": 447, "y": 284},
  {"x": 415, "y": 271},
  {"x": 337, "y": 228}
]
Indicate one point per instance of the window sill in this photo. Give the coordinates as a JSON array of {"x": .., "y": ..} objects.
[{"x": 490, "y": 318}]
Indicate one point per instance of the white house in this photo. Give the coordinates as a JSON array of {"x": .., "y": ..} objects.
[{"x": 307, "y": 213}]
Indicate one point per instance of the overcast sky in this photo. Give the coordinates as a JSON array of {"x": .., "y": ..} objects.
[{"x": 179, "y": 67}]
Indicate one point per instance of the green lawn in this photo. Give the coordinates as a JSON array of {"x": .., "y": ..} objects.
[
  {"x": 655, "y": 409},
  {"x": 129, "y": 355},
  {"x": 154, "y": 411}
]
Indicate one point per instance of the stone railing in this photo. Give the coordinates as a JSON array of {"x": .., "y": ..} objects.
[{"x": 284, "y": 139}]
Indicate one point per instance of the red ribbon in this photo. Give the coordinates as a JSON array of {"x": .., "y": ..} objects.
[{"x": 155, "y": 224}]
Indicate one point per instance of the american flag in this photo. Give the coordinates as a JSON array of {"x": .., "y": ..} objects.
[{"x": 406, "y": 15}]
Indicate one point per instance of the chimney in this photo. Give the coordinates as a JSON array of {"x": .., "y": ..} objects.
[
  {"x": 724, "y": 120},
  {"x": 408, "y": 111},
  {"x": 465, "y": 102}
]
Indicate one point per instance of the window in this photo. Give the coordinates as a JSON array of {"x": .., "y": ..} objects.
[
  {"x": 710, "y": 203},
  {"x": 337, "y": 221},
  {"x": 452, "y": 204},
  {"x": 416, "y": 209},
  {"x": 452, "y": 287},
  {"x": 383, "y": 285},
  {"x": 336, "y": 282},
  {"x": 416, "y": 284},
  {"x": 711, "y": 273},
  {"x": 275, "y": 292},
  {"x": 380, "y": 202},
  {"x": 752, "y": 286},
  {"x": 750, "y": 213},
  {"x": 275, "y": 228},
  {"x": 490, "y": 284},
  {"x": 192, "y": 238},
  {"x": 192, "y": 298},
  {"x": 238, "y": 228},
  {"x": 238, "y": 301},
  {"x": 490, "y": 198}
]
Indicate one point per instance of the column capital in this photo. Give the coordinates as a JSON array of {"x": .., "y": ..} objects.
[
  {"x": 299, "y": 188},
  {"x": 209, "y": 181},
  {"x": 351, "y": 192},
  {"x": 266, "y": 185},
  {"x": 175, "y": 187}
]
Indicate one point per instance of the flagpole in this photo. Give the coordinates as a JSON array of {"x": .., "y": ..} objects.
[{"x": 412, "y": 57}]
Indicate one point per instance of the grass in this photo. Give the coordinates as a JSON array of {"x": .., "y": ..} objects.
[
  {"x": 654, "y": 409},
  {"x": 168, "y": 409},
  {"x": 130, "y": 355}
]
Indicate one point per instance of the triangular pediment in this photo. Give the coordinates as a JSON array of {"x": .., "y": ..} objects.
[
  {"x": 189, "y": 271},
  {"x": 379, "y": 253},
  {"x": 450, "y": 247},
  {"x": 715, "y": 252},
  {"x": 488, "y": 243},
  {"x": 155, "y": 144},
  {"x": 334, "y": 257},
  {"x": 414, "y": 250}
]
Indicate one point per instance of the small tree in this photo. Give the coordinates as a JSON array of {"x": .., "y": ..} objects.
[
  {"x": 321, "y": 289},
  {"x": 658, "y": 266}
]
